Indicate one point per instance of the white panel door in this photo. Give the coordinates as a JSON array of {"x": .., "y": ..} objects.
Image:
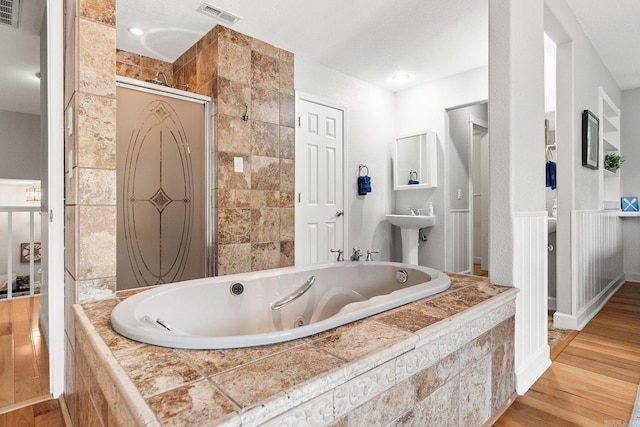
[{"x": 319, "y": 223}]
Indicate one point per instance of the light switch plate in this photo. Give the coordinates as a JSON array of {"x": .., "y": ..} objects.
[{"x": 238, "y": 164}]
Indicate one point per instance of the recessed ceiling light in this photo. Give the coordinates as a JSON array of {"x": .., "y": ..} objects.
[
  {"x": 400, "y": 77},
  {"x": 136, "y": 31}
]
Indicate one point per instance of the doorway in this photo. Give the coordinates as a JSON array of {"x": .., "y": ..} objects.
[
  {"x": 319, "y": 214},
  {"x": 468, "y": 166},
  {"x": 479, "y": 130}
]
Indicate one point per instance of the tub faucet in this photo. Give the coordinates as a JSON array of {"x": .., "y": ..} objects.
[
  {"x": 339, "y": 252},
  {"x": 357, "y": 253},
  {"x": 370, "y": 252}
]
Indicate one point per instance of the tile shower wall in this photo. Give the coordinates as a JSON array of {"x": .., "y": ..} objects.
[
  {"x": 254, "y": 212},
  {"x": 142, "y": 67}
]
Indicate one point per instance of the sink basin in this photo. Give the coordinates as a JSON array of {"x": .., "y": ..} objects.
[
  {"x": 409, "y": 226},
  {"x": 551, "y": 227},
  {"x": 413, "y": 222}
]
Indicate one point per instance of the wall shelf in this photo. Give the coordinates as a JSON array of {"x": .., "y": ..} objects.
[{"x": 609, "y": 182}]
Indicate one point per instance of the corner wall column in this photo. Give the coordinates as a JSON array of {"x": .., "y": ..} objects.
[{"x": 518, "y": 224}]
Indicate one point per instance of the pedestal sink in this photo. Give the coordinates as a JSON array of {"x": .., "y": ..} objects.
[{"x": 409, "y": 226}]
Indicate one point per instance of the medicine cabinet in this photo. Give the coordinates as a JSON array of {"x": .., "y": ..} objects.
[{"x": 415, "y": 161}]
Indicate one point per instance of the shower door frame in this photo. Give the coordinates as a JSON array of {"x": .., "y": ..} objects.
[{"x": 209, "y": 184}]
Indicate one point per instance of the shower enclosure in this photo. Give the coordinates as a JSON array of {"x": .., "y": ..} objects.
[{"x": 164, "y": 206}]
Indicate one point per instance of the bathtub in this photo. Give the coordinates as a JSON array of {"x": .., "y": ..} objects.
[{"x": 271, "y": 306}]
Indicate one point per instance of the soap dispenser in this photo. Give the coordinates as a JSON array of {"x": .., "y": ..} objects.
[
  {"x": 430, "y": 209},
  {"x": 554, "y": 208}
]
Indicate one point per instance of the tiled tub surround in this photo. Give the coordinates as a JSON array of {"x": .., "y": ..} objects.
[{"x": 443, "y": 360}]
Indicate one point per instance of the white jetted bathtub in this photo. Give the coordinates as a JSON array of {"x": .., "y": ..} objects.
[{"x": 271, "y": 306}]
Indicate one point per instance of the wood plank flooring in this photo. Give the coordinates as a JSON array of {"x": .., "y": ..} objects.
[
  {"x": 43, "y": 414},
  {"x": 24, "y": 359},
  {"x": 478, "y": 271},
  {"x": 594, "y": 379}
]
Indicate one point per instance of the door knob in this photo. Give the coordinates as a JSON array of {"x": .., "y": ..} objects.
[{"x": 340, "y": 213}]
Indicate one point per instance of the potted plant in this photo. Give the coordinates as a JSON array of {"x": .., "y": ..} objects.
[{"x": 612, "y": 162}]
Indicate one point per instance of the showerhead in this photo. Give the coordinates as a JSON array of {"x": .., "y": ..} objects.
[
  {"x": 164, "y": 82},
  {"x": 157, "y": 80}
]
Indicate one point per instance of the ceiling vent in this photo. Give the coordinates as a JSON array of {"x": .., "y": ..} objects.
[
  {"x": 217, "y": 13},
  {"x": 10, "y": 12}
]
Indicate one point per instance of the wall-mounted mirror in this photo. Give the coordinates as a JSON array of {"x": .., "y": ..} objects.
[{"x": 415, "y": 161}]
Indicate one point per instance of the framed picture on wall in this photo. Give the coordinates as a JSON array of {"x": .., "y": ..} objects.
[
  {"x": 590, "y": 139},
  {"x": 25, "y": 252}
]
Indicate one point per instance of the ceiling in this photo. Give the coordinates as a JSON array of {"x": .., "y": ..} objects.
[
  {"x": 614, "y": 29},
  {"x": 368, "y": 39}
]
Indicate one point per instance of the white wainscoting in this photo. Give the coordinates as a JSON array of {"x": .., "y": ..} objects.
[
  {"x": 530, "y": 276},
  {"x": 631, "y": 245},
  {"x": 460, "y": 245},
  {"x": 597, "y": 265}
]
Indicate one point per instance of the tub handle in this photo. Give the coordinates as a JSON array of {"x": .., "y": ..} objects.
[{"x": 294, "y": 295}]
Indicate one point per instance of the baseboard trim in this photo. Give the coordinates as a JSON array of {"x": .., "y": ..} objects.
[
  {"x": 579, "y": 321},
  {"x": 528, "y": 375},
  {"x": 24, "y": 404},
  {"x": 64, "y": 410},
  {"x": 501, "y": 410},
  {"x": 632, "y": 277}
]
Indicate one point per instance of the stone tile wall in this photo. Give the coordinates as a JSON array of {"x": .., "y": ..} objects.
[
  {"x": 142, "y": 67},
  {"x": 254, "y": 212},
  {"x": 90, "y": 162}
]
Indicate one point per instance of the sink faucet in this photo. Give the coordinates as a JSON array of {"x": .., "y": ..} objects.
[
  {"x": 371, "y": 251},
  {"x": 357, "y": 253},
  {"x": 411, "y": 211},
  {"x": 339, "y": 252}
]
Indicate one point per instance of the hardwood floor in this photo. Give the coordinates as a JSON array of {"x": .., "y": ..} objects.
[
  {"x": 24, "y": 359},
  {"x": 43, "y": 414},
  {"x": 594, "y": 379},
  {"x": 477, "y": 271}
]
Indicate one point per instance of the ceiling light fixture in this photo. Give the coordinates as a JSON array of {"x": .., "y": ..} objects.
[
  {"x": 136, "y": 31},
  {"x": 400, "y": 77}
]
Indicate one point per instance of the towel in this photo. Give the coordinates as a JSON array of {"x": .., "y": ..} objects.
[
  {"x": 364, "y": 185},
  {"x": 551, "y": 174},
  {"x": 413, "y": 181}
]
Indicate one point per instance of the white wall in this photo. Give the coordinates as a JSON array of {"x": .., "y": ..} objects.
[
  {"x": 423, "y": 107},
  {"x": 460, "y": 152},
  {"x": 369, "y": 136},
  {"x": 630, "y": 148},
  {"x": 20, "y": 145},
  {"x": 580, "y": 72}
]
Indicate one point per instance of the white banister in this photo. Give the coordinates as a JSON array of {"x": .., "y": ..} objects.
[{"x": 10, "y": 211}]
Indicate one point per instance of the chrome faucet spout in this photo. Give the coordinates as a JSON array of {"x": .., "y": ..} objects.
[
  {"x": 339, "y": 252},
  {"x": 356, "y": 254}
]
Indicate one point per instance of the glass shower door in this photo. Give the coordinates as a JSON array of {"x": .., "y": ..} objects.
[{"x": 161, "y": 189}]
